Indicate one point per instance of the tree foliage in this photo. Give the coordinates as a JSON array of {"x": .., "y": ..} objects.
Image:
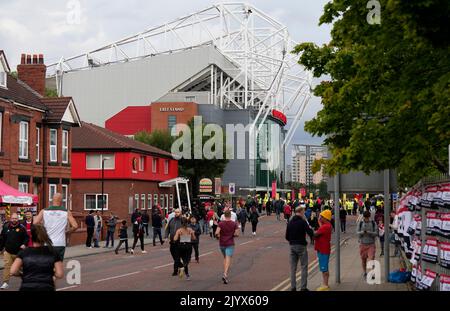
[
  {"x": 386, "y": 104},
  {"x": 158, "y": 138}
]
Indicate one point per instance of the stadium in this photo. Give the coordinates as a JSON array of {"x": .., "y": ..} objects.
[{"x": 231, "y": 62}]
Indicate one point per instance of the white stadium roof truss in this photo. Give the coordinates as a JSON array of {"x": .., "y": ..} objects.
[{"x": 267, "y": 75}]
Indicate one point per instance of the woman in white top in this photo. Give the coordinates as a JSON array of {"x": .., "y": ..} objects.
[{"x": 184, "y": 237}]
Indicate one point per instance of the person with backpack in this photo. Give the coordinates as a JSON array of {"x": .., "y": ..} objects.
[
  {"x": 123, "y": 237},
  {"x": 242, "y": 218},
  {"x": 367, "y": 232},
  {"x": 254, "y": 219},
  {"x": 138, "y": 233}
]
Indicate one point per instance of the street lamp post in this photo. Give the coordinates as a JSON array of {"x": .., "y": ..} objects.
[{"x": 103, "y": 181}]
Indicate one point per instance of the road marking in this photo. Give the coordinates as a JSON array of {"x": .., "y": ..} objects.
[
  {"x": 64, "y": 288},
  {"x": 116, "y": 277},
  {"x": 298, "y": 276},
  {"x": 158, "y": 267},
  {"x": 277, "y": 231},
  {"x": 246, "y": 242},
  {"x": 206, "y": 254}
]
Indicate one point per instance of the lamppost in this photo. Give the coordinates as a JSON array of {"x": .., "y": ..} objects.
[{"x": 103, "y": 180}]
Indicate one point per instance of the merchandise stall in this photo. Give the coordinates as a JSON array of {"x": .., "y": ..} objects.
[
  {"x": 424, "y": 233},
  {"x": 14, "y": 201}
]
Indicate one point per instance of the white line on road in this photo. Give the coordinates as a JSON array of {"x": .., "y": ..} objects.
[
  {"x": 246, "y": 242},
  {"x": 116, "y": 277},
  {"x": 206, "y": 254},
  {"x": 64, "y": 288},
  {"x": 158, "y": 267},
  {"x": 277, "y": 231}
]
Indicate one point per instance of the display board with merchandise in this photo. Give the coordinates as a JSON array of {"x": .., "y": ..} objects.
[{"x": 423, "y": 233}]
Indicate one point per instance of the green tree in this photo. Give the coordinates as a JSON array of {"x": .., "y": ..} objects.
[
  {"x": 195, "y": 169},
  {"x": 158, "y": 138},
  {"x": 386, "y": 102}
]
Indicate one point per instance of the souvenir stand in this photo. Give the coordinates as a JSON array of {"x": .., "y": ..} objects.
[
  {"x": 12, "y": 201},
  {"x": 424, "y": 233}
]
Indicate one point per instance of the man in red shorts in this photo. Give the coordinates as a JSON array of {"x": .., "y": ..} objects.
[{"x": 367, "y": 232}]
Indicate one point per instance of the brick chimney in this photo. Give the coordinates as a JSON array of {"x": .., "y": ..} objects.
[{"x": 32, "y": 71}]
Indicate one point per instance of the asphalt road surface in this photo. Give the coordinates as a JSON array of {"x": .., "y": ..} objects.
[{"x": 259, "y": 263}]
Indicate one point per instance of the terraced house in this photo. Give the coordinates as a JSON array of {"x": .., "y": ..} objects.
[{"x": 35, "y": 132}]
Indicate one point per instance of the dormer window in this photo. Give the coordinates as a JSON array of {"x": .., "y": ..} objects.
[{"x": 2, "y": 78}]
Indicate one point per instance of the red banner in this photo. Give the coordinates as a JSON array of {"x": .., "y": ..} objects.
[
  {"x": 303, "y": 191},
  {"x": 274, "y": 189},
  {"x": 293, "y": 195}
]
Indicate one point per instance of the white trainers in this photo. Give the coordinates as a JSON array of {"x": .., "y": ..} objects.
[
  {"x": 132, "y": 251},
  {"x": 4, "y": 286},
  {"x": 144, "y": 252}
]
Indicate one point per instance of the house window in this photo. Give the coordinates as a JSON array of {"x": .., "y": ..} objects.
[
  {"x": 65, "y": 147},
  {"x": 53, "y": 145},
  {"x": 143, "y": 201},
  {"x": 171, "y": 122},
  {"x": 171, "y": 201},
  {"x": 38, "y": 138},
  {"x": 94, "y": 161},
  {"x": 167, "y": 200},
  {"x": 142, "y": 164},
  {"x": 23, "y": 140},
  {"x": 51, "y": 193},
  {"x": 161, "y": 201},
  {"x": 166, "y": 167},
  {"x": 136, "y": 199},
  {"x": 155, "y": 165},
  {"x": 149, "y": 201},
  {"x": 35, "y": 188},
  {"x": 23, "y": 187},
  {"x": 190, "y": 99},
  {"x": 155, "y": 199},
  {"x": 2, "y": 78},
  {"x": 65, "y": 193},
  {"x": 94, "y": 201}
]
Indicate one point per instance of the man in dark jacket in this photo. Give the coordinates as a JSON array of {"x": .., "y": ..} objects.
[
  {"x": 13, "y": 238},
  {"x": 145, "y": 221},
  {"x": 172, "y": 227},
  {"x": 90, "y": 225},
  {"x": 157, "y": 225},
  {"x": 296, "y": 232}
]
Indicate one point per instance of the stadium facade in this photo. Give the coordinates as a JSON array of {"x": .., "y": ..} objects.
[{"x": 232, "y": 60}]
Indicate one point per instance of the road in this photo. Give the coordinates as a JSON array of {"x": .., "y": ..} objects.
[{"x": 259, "y": 263}]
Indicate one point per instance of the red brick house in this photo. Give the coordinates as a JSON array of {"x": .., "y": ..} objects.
[
  {"x": 35, "y": 132},
  {"x": 132, "y": 172}
]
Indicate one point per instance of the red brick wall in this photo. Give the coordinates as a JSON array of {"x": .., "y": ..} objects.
[{"x": 32, "y": 72}]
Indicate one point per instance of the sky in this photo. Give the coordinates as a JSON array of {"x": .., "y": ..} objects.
[{"x": 28, "y": 26}]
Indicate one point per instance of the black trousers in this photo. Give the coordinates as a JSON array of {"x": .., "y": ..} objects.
[
  {"x": 146, "y": 229},
  {"x": 120, "y": 244},
  {"x": 140, "y": 238},
  {"x": 176, "y": 257},
  {"x": 90, "y": 234},
  {"x": 157, "y": 232},
  {"x": 185, "y": 252},
  {"x": 254, "y": 225},
  {"x": 195, "y": 247},
  {"x": 343, "y": 225},
  {"x": 243, "y": 226}
]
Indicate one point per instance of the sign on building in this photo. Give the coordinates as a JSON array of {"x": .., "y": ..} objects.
[
  {"x": 232, "y": 188},
  {"x": 205, "y": 185},
  {"x": 217, "y": 186}
]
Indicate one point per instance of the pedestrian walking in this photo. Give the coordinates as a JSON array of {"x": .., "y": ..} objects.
[
  {"x": 195, "y": 226},
  {"x": 279, "y": 204},
  {"x": 157, "y": 225},
  {"x": 145, "y": 221},
  {"x": 254, "y": 219},
  {"x": 27, "y": 223},
  {"x": 213, "y": 219},
  {"x": 381, "y": 235},
  {"x": 343, "y": 218},
  {"x": 296, "y": 232},
  {"x": 55, "y": 219},
  {"x": 322, "y": 245},
  {"x": 269, "y": 205},
  {"x": 123, "y": 237},
  {"x": 287, "y": 212},
  {"x": 138, "y": 234},
  {"x": 38, "y": 265},
  {"x": 13, "y": 238},
  {"x": 183, "y": 239},
  {"x": 98, "y": 228},
  {"x": 135, "y": 215},
  {"x": 226, "y": 232},
  {"x": 367, "y": 232},
  {"x": 171, "y": 228},
  {"x": 111, "y": 229},
  {"x": 243, "y": 218},
  {"x": 90, "y": 227}
]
